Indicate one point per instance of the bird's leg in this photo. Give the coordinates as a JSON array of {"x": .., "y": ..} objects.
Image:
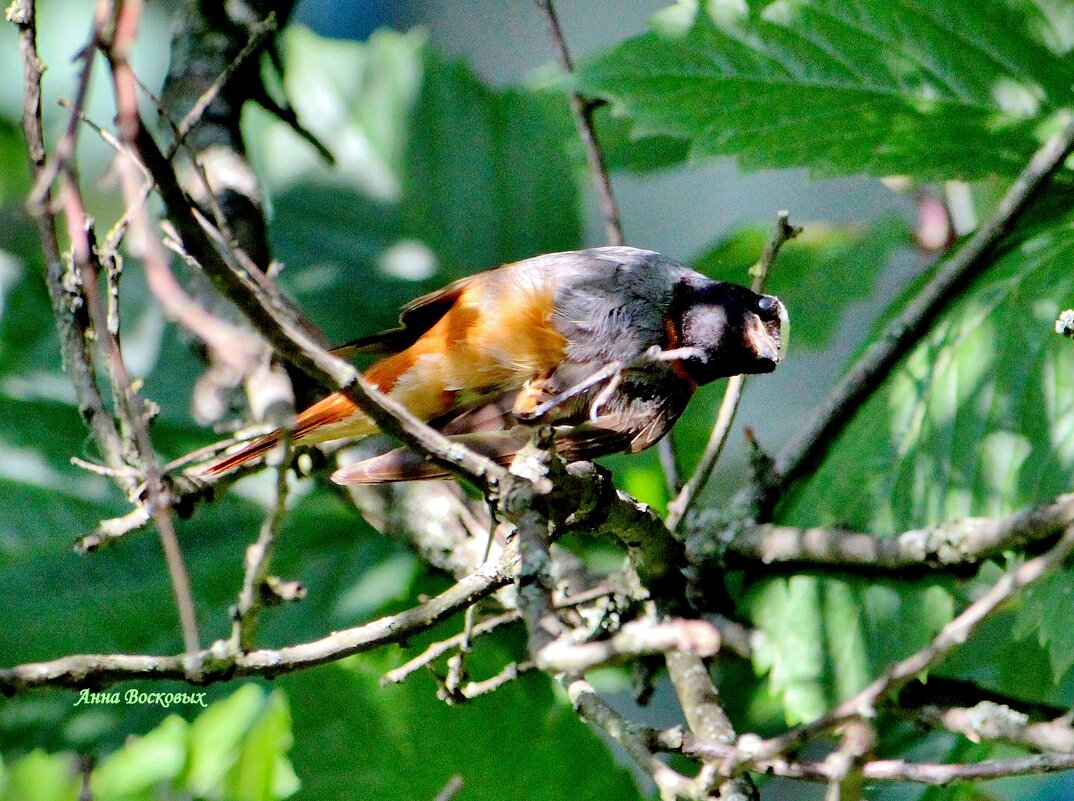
[
  {"x": 608, "y": 371},
  {"x": 605, "y": 394}
]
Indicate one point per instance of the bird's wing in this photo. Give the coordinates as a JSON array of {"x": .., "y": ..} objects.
[
  {"x": 630, "y": 429},
  {"x": 415, "y": 319}
]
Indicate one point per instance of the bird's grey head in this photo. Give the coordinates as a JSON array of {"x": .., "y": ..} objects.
[{"x": 737, "y": 330}]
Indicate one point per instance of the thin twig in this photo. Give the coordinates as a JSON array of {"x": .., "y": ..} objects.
[
  {"x": 127, "y": 19},
  {"x": 510, "y": 672},
  {"x": 232, "y": 345},
  {"x": 582, "y": 110},
  {"x": 438, "y": 649},
  {"x": 677, "y": 509},
  {"x": 259, "y": 557},
  {"x": 876, "y": 363},
  {"x": 68, "y": 302},
  {"x": 457, "y": 664},
  {"x": 989, "y": 720},
  {"x": 895, "y": 769},
  {"x": 221, "y": 662},
  {"x": 296, "y": 340},
  {"x": 594, "y": 709},
  {"x": 259, "y": 33},
  {"x": 223, "y": 226},
  {"x": 636, "y": 638},
  {"x": 65, "y": 150},
  {"x": 846, "y": 765}
]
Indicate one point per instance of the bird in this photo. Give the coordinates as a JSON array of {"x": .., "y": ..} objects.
[{"x": 606, "y": 345}]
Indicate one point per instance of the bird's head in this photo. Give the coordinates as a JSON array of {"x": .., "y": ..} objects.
[{"x": 736, "y": 330}]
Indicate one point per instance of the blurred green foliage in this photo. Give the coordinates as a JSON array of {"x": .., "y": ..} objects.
[
  {"x": 235, "y": 749},
  {"x": 439, "y": 175}
]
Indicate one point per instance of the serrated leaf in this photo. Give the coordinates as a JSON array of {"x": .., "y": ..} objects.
[
  {"x": 937, "y": 90},
  {"x": 792, "y": 653},
  {"x": 977, "y": 420},
  {"x": 828, "y": 638}
]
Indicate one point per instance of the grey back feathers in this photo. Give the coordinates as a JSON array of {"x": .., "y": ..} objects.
[{"x": 610, "y": 302}]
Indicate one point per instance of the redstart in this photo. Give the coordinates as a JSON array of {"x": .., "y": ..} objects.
[{"x": 605, "y": 345}]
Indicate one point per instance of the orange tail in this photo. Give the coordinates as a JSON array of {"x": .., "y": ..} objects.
[
  {"x": 251, "y": 451},
  {"x": 334, "y": 417}
]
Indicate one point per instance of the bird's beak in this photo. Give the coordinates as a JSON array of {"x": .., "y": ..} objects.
[
  {"x": 768, "y": 337},
  {"x": 784, "y": 330}
]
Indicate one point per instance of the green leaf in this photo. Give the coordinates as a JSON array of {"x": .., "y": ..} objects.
[
  {"x": 144, "y": 763},
  {"x": 14, "y": 171},
  {"x": 622, "y": 151},
  {"x": 1046, "y": 612},
  {"x": 456, "y": 178},
  {"x": 485, "y": 183},
  {"x": 828, "y": 638},
  {"x": 975, "y": 421},
  {"x": 352, "y": 728},
  {"x": 215, "y": 736},
  {"x": 235, "y": 751},
  {"x": 915, "y": 87},
  {"x": 39, "y": 777},
  {"x": 27, "y": 331},
  {"x": 262, "y": 771}
]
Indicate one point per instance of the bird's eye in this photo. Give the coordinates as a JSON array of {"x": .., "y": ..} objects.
[{"x": 766, "y": 304}]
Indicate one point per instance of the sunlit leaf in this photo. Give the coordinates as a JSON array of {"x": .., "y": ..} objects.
[
  {"x": 262, "y": 771},
  {"x": 939, "y": 90},
  {"x": 976, "y": 421}
]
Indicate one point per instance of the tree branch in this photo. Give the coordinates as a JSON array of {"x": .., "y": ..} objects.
[
  {"x": 220, "y": 662},
  {"x": 960, "y": 542},
  {"x": 988, "y": 720},
  {"x": 68, "y": 301},
  {"x": 892, "y": 769},
  {"x": 295, "y": 339},
  {"x": 582, "y": 111},
  {"x": 594, "y": 709},
  {"x": 128, "y": 402},
  {"x": 258, "y": 558},
  {"x": 636, "y": 638}
]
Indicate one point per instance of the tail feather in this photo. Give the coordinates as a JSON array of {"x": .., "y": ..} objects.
[
  {"x": 403, "y": 464},
  {"x": 334, "y": 417},
  {"x": 252, "y": 451}
]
